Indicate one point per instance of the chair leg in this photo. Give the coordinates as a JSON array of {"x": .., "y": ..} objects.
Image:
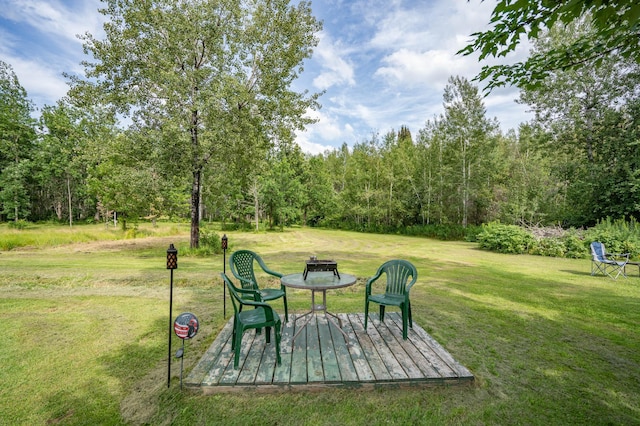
[
  {"x": 405, "y": 315},
  {"x": 278, "y": 338},
  {"x": 410, "y": 319},
  {"x": 366, "y": 313},
  {"x": 382, "y": 313},
  {"x": 286, "y": 309},
  {"x": 268, "y": 336},
  {"x": 233, "y": 335},
  {"x": 236, "y": 357}
]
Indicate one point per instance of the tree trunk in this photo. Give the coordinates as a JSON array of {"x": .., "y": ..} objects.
[
  {"x": 195, "y": 210},
  {"x": 69, "y": 198},
  {"x": 197, "y": 180}
]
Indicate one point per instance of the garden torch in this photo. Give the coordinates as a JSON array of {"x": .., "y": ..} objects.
[{"x": 172, "y": 263}]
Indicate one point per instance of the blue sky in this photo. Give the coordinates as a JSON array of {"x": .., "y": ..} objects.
[{"x": 381, "y": 63}]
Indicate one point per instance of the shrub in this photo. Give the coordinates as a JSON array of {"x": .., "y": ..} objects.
[
  {"x": 505, "y": 238},
  {"x": 18, "y": 224},
  {"x": 575, "y": 247},
  {"x": 210, "y": 242},
  {"x": 553, "y": 247},
  {"x": 618, "y": 236}
]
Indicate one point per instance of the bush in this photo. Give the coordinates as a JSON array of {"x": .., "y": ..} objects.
[
  {"x": 575, "y": 247},
  {"x": 553, "y": 247},
  {"x": 210, "y": 242},
  {"x": 505, "y": 238},
  {"x": 18, "y": 224},
  {"x": 617, "y": 236}
]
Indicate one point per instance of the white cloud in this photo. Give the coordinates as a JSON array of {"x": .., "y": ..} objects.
[
  {"x": 56, "y": 18},
  {"x": 327, "y": 128},
  {"x": 311, "y": 147},
  {"x": 335, "y": 69},
  {"x": 46, "y": 44},
  {"x": 430, "y": 69},
  {"x": 42, "y": 83}
]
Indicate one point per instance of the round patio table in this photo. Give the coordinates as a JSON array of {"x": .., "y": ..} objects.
[{"x": 319, "y": 282}]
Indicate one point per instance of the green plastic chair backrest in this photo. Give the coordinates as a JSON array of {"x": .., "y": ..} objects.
[
  {"x": 242, "y": 267},
  {"x": 398, "y": 273},
  {"x": 241, "y": 263}
]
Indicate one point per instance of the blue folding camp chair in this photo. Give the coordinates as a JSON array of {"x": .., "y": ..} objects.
[{"x": 610, "y": 264}]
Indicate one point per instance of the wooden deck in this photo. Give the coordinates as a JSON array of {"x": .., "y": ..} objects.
[{"x": 321, "y": 358}]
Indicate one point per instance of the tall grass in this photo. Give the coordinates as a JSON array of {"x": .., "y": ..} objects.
[
  {"x": 85, "y": 329},
  {"x": 48, "y": 235}
]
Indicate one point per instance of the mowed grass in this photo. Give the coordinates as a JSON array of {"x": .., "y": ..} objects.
[{"x": 85, "y": 329}]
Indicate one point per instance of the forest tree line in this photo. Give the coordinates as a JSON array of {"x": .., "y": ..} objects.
[{"x": 576, "y": 162}]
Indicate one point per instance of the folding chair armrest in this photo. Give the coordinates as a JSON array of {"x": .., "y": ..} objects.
[{"x": 625, "y": 255}]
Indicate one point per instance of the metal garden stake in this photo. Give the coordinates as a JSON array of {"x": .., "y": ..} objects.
[
  {"x": 172, "y": 263},
  {"x": 224, "y": 269}
]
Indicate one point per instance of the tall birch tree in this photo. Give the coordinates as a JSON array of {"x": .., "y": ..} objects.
[{"x": 205, "y": 72}]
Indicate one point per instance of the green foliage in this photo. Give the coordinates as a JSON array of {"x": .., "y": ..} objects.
[
  {"x": 615, "y": 24},
  {"x": 618, "y": 236},
  {"x": 221, "y": 76},
  {"x": 574, "y": 246},
  {"x": 210, "y": 244},
  {"x": 17, "y": 136},
  {"x": 496, "y": 236},
  {"x": 444, "y": 232},
  {"x": 18, "y": 224},
  {"x": 553, "y": 247}
]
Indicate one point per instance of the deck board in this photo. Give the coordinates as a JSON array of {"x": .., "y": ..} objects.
[{"x": 320, "y": 357}]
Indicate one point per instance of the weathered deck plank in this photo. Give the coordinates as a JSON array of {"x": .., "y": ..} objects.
[{"x": 320, "y": 357}]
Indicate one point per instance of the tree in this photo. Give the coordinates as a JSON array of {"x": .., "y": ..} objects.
[
  {"x": 282, "y": 189},
  {"x": 616, "y": 29},
  {"x": 206, "y": 72},
  {"x": 320, "y": 195},
  {"x": 17, "y": 136},
  {"x": 578, "y": 108},
  {"x": 59, "y": 167},
  {"x": 468, "y": 143}
]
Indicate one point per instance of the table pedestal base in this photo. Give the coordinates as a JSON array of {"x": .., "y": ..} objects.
[{"x": 320, "y": 307}]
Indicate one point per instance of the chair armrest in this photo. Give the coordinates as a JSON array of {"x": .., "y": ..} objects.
[
  {"x": 256, "y": 304},
  {"x": 256, "y": 294},
  {"x": 625, "y": 255},
  {"x": 266, "y": 269},
  {"x": 413, "y": 281},
  {"x": 273, "y": 273},
  {"x": 370, "y": 281}
]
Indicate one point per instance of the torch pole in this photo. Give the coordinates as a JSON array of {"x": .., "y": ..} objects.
[
  {"x": 172, "y": 263},
  {"x": 225, "y": 242},
  {"x": 224, "y": 287},
  {"x": 170, "y": 327}
]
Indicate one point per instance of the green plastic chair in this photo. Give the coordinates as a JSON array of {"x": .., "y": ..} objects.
[
  {"x": 398, "y": 273},
  {"x": 262, "y": 316},
  {"x": 242, "y": 266}
]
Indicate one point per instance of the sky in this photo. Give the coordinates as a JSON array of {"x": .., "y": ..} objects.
[{"x": 381, "y": 64}]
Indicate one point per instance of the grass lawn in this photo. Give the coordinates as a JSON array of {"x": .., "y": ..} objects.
[{"x": 85, "y": 323}]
